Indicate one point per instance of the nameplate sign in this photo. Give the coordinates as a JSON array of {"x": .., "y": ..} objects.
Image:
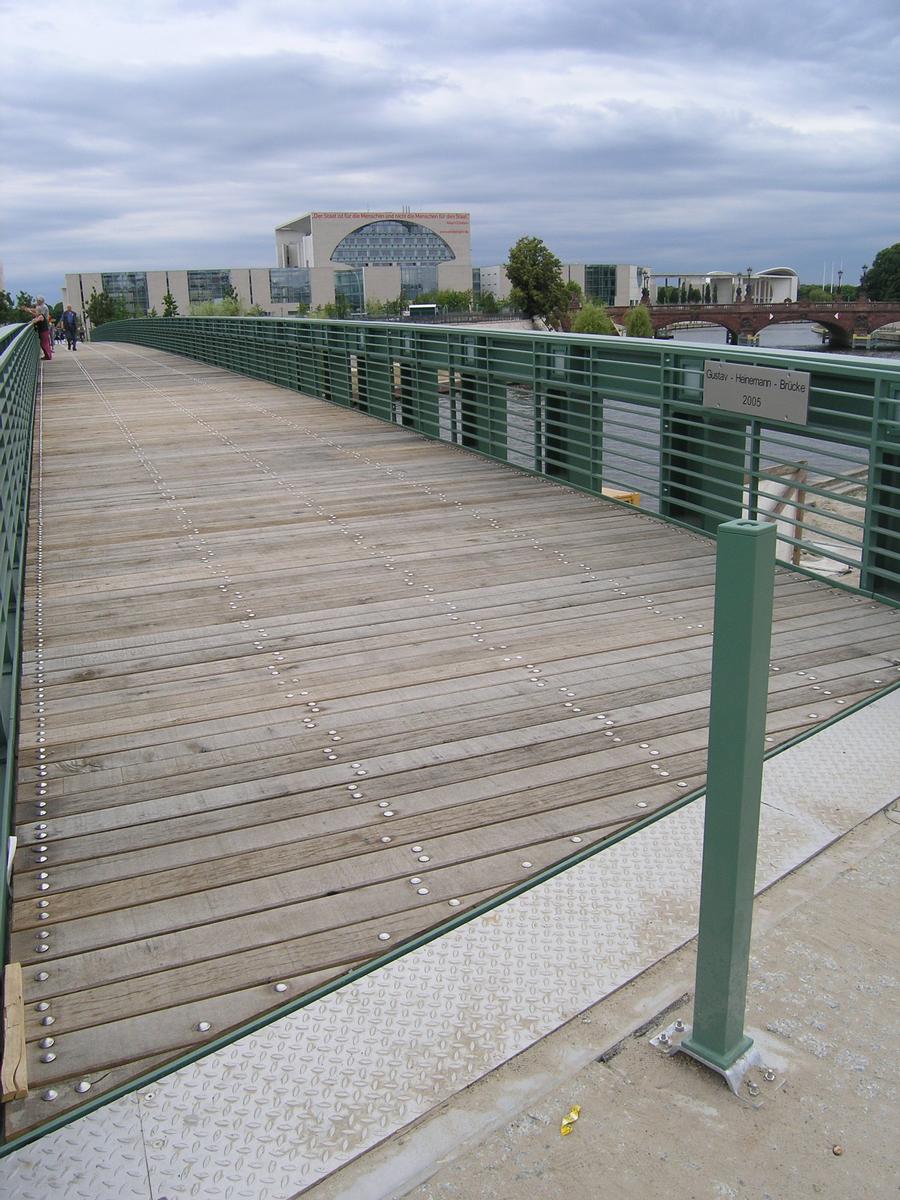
[{"x": 761, "y": 392}]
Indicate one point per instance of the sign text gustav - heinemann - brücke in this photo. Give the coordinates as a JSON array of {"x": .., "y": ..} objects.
[{"x": 756, "y": 391}]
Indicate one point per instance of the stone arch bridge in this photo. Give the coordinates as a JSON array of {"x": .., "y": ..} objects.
[{"x": 843, "y": 321}]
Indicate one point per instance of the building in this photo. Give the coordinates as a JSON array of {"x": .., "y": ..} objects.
[
  {"x": 321, "y": 257},
  {"x": 142, "y": 291},
  {"x": 772, "y": 286},
  {"x": 613, "y": 284},
  {"x": 360, "y": 257},
  {"x": 367, "y": 256}
]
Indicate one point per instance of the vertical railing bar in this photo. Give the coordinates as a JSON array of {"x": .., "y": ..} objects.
[{"x": 742, "y": 631}]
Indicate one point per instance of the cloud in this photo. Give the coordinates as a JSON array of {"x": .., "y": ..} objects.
[{"x": 181, "y": 135}]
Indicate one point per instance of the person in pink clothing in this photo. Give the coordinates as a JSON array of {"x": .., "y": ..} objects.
[{"x": 41, "y": 314}]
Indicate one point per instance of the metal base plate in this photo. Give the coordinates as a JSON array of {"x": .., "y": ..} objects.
[{"x": 751, "y": 1078}]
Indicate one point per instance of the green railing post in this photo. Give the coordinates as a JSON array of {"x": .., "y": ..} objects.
[{"x": 745, "y": 562}]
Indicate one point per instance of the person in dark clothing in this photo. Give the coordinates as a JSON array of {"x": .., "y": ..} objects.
[{"x": 70, "y": 327}]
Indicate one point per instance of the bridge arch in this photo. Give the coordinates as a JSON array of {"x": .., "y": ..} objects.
[{"x": 681, "y": 323}]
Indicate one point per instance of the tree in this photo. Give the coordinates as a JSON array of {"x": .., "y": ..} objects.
[
  {"x": 488, "y": 303},
  {"x": 170, "y": 307},
  {"x": 15, "y": 313},
  {"x": 535, "y": 274},
  {"x": 813, "y": 293},
  {"x": 638, "y": 322},
  {"x": 226, "y": 307},
  {"x": 102, "y": 308},
  {"x": 593, "y": 318},
  {"x": 882, "y": 280},
  {"x": 451, "y": 301}
]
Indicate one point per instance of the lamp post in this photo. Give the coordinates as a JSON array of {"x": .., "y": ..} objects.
[{"x": 748, "y": 292}]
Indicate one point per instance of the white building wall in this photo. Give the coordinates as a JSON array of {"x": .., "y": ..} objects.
[
  {"x": 156, "y": 290},
  {"x": 240, "y": 281},
  {"x": 178, "y": 286},
  {"x": 496, "y": 281},
  {"x": 381, "y": 283},
  {"x": 573, "y": 273},
  {"x": 260, "y": 288},
  {"x": 629, "y": 284},
  {"x": 321, "y": 282},
  {"x": 79, "y": 287},
  {"x": 454, "y": 276}
]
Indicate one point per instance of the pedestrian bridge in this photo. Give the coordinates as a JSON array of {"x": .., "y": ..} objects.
[{"x": 324, "y": 657}]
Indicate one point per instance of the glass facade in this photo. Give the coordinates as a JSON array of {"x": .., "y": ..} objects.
[
  {"x": 290, "y": 285},
  {"x": 349, "y": 284},
  {"x": 130, "y": 287},
  {"x": 417, "y": 281},
  {"x": 392, "y": 243},
  {"x": 600, "y": 282},
  {"x": 476, "y": 283},
  {"x": 208, "y": 285}
]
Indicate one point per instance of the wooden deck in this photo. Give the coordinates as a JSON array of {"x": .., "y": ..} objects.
[{"x": 313, "y": 685}]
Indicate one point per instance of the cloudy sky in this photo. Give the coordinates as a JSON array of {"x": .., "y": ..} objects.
[{"x": 680, "y": 134}]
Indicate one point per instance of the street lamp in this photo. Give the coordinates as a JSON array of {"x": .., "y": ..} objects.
[{"x": 748, "y": 291}]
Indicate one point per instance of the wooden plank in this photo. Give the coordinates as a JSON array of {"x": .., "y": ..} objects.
[{"x": 14, "y": 1069}]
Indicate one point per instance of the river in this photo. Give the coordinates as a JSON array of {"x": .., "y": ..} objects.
[{"x": 782, "y": 336}]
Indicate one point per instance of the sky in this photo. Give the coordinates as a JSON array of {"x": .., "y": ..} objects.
[{"x": 689, "y": 135}]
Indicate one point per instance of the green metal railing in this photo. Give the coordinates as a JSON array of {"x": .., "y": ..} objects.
[
  {"x": 19, "y": 352},
  {"x": 607, "y": 414}
]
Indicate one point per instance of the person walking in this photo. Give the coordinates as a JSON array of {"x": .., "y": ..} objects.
[{"x": 70, "y": 327}]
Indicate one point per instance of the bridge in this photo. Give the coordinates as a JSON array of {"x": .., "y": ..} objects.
[
  {"x": 843, "y": 320},
  {"x": 336, "y": 635}
]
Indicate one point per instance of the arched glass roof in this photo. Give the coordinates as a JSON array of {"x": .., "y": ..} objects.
[{"x": 392, "y": 243}]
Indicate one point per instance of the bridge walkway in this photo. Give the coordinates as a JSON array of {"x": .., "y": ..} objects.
[{"x": 300, "y": 686}]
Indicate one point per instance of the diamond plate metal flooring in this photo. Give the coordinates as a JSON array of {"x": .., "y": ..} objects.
[{"x": 279, "y": 1110}]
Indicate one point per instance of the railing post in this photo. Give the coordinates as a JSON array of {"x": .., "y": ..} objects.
[{"x": 745, "y": 560}]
